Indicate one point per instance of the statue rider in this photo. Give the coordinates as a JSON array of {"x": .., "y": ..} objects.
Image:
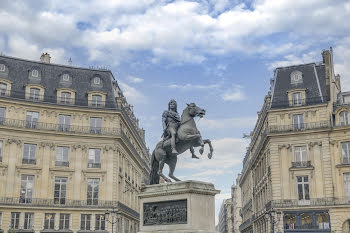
[{"x": 171, "y": 123}]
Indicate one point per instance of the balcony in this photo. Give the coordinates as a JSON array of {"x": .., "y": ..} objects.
[
  {"x": 301, "y": 164},
  {"x": 62, "y": 164},
  {"x": 28, "y": 161},
  {"x": 313, "y": 202},
  {"x": 94, "y": 165},
  {"x": 299, "y": 127}
]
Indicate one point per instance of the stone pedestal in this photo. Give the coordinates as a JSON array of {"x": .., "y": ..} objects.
[{"x": 186, "y": 206}]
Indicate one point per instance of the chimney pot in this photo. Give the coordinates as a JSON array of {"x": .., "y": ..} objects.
[{"x": 45, "y": 57}]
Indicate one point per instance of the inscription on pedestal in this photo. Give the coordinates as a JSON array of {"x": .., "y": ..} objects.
[{"x": 165, "y": 213}]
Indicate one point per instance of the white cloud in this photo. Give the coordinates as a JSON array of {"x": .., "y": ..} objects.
[
  {"x": 132, "y": 95},
  {"x": 292, "y": 59},
  {"x": 341, "y": 55},
  {"x": 134, "y": 79},
  {"x": 190, "y": 87},
  {"x": 234, "y": 94}
]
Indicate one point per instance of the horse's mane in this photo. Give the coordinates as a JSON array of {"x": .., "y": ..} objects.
[{"x": 185, "y": 111}]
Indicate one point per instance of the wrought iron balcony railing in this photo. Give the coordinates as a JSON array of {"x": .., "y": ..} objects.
[
  {"x": 301, "y": 164},
  {"x": 94, "y": 165},
  {"x": 39, "y": 202},
  {"x": 28, "y": 161},
  {"x": 62, "y": 163},
  {"x": 327, "y": 201},
  {"x": 299, "y": 127}
]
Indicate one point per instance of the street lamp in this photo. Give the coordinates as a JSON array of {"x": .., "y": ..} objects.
[
  {"x": 112, "y": 216},
  {"x": 271, "y": 215}
]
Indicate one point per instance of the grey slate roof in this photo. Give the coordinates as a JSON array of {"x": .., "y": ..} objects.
[
  {"x": 17, "y": 71},
  {"x": 314, "y": 92}
]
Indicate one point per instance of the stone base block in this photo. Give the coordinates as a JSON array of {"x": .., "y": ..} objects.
[{"x": 186, "y": 206}]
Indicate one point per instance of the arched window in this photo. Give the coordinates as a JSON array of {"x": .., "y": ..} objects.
[
  {"x": 343, "y": 118},
  {"x": 296, "y": 77},
  {"x": 96, "y": 101},
  {"x": 35, "y": 73},
  {"x": 3, "y": 89},
  {"x": 2, "y": 67},
  {"x": 97, "y": 80}
]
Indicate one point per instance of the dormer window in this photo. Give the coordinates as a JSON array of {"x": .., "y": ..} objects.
[
  {"x": 296, "y": 98},
  {"x": 35, "y": 73},
  {"x": 34, "y": 94},
  {"x": 296, "y": 77},
  {"x": 97, "y": 80},
  {"x": 65, "y": 77},
  {"x": 2, "y": 67},
  {"x": 66, "y": 97},
  {"x": 3, "y": 89},
  {"x": 344, "y": 118},
  {"x": 96, "y": 101}
]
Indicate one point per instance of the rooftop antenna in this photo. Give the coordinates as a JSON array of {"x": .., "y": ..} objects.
[{"x": 70, "y": 61}]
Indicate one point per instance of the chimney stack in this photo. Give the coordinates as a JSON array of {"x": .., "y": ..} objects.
[{"x": 45, "y": 57}]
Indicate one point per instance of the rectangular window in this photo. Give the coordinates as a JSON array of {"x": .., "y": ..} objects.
[
  {"x": 303, "y": 187},
  {"x": 2, "y": 115},
  {"x": 96, "y": 101},
  {"x": 94, "y": 158},
  {"x": 64, "y": 221},
  {"x": 126, "y": 226},
  {"x": 95, "y": 125},
  {"x": 347, "y": 184},
  {"x": 62, "y": 156},
  {"x": 15, "y": 220},
  {"x": 34, "y": 94},
  {"x": 0, "y": 151},
  {"x": 66, "y": 98},
  {"x": 60, "y": 190},
  {"x": 28, "y": 220},
  {"x": 49, "y": 222},
  {"x": 29, "y": 154},
  {"x": 85, "y": 222},
  {"x": 92, "y": 191},
  {"x": 345, "y": 146},
  {"x": 32, "y": 119},
  {"x": 298, "y": 121},
  {"x": 300, "y": 156},
  {"x": 3, "y": 89},
  {"x": 306, "y": 220},
  {"x": 100, "y": 223},
  {"x": 63, "y": 123},
  {"x": 296, "y": 98},
  {"x": 27, "y": 186},
  {"x": 344, "y": 118},
  {"x": 322, "y": 221},
  {"x": 290, "y": 221}
]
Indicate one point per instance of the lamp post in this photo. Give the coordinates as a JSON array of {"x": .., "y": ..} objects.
[
  {"x": 112, "y": 216},
  {"x": 271, "y": 215}
]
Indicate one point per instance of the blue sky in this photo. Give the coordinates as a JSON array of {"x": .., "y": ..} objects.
[{"x": 219, "y": 54}]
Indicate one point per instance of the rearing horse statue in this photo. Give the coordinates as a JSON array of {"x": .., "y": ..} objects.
[{"x": 188, "y": 137}]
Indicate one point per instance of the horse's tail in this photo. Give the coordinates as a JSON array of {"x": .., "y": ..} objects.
[{"x": 154, "y": 177}]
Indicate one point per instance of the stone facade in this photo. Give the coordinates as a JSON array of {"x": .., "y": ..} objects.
[
  {"x": 296, "y": 173},
  {"x": 225, "y": 216},
  {"x": 70, "y": 149},
  {"x": 236, "y": 219}
]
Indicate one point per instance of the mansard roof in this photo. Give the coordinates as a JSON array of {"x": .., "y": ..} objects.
[
  {"x": 313, "y": 81},
  {"x": 50, "y": 76}
]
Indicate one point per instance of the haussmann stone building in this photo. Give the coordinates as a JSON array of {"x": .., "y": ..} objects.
[
  {"x": 70, "y": 148},
  {"x": 296, "y": 173}
]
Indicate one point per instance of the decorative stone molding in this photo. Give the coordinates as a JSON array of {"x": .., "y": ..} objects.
[
  {"x": 92, "y": 173},
  {"x": 334, "y": 142},
  {"x": 15, "y": 141},
  {"x": 78, "y": 146},
  {"x": 287, "y": 146},
  {"x": 51, "y": 145},
  {"x": 312, "y": 144},
  {"x": 107, "y": 148}
]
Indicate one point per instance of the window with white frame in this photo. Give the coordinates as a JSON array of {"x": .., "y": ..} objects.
[
  {"x": 344, "y": 118},
  {"x": 63, "y": 123},
  {"x": 85, "y": 222},
  {"x": 15, "y": 220},
  {"x": 94, "y": 158},
  {"x": 347, "y": 184},
  {"x": 3, "y": 89},
  {"x": 49, "y": 221},
  {"x": 35, "y": 73},
  {"x": 100, "y": 222},
  {"x": 32, "y": 119},
  {"x": 66, "y": 98},
  {"x": 303, "y": 187},
  {"x": 2, "y": 68},
  {"x": 296, "y": 99},
  {"x": 27, "y": 188},
  {"x": 93, "y": 185},
  {"x": 34, "y": 94},
  {"x": 300, "y": 156},
  {"x": 60, "y": 190},
  {"x": 95, "y": 125},
  {"x": 97, "y": 80},
  {"x": 64, "y": 221},
  {"x": 28, "y": 220},
  {"x": 29, "y": 154},
  {"x": 96, "y": 100},
  {"x": 62, "y": 156},
  {"x": 0, "y": 151},
  {"x": 345, "y": 146},
  {"x": 298, "y": 121}
]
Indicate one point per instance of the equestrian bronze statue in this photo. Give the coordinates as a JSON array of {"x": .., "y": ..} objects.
[{"x": 179, "y": 136}]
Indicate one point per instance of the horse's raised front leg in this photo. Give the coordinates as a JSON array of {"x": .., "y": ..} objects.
[
  {"x": 194, "y": 156},
  {"x": 172, "y": 160},
  {"x": 210, "y": 154}
]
